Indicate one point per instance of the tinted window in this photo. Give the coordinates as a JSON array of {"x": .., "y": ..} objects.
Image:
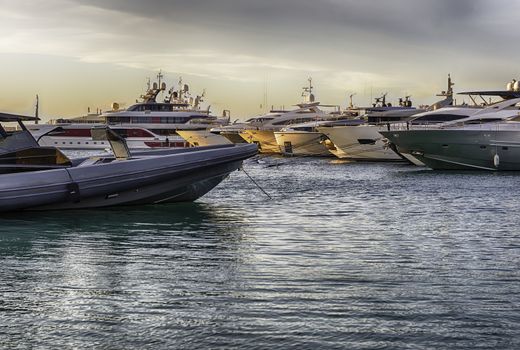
[{"x": 438, "y": 118}]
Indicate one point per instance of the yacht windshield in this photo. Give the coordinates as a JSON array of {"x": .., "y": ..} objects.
[{"x": 437, "y": 118}]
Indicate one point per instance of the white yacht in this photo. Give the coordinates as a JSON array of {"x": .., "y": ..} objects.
[
  {"x": 305, "y": 139},
  {"x": 260, "y": 130},
  {"x": 145, "y": 124},
  {"x": 364, "y": 141}
]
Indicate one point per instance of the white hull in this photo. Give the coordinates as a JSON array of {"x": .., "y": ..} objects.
[
  {"x": 203, "y": 138},
  {"x": 264, "y": 138},
  {"x": 331, "y": 147},
  {"x": 361, "y": 142},
  {"x": 301, "y": 143}
]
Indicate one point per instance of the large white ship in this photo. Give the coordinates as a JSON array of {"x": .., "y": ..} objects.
[{"x": 145, "y": 124}]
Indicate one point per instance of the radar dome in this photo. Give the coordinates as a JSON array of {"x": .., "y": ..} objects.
[
  {"x": 155, "y": 86},
  {"x": 186, "y": 88},
  {"x": 509, "y": 87},
  {"x": 311, "y": 98},
  {"x": 163, "y": 86},
  {"x": 115, "y": 106},
  {"x": 516, "y": 86}
]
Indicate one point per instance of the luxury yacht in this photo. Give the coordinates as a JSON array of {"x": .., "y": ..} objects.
[
  {"x": 146, "y": 124},
  {"x": 305, "y": 139},
  {"x": 261, "y": 130},
  {"x": 364, "y": 142},
  {"x": 482, "y": 137}
]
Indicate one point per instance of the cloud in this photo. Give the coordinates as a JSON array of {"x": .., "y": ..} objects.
[{"x": 343, "y": 44}]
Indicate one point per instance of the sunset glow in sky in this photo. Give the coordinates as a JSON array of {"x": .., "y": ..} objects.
[{"x": 89, "y": 53}]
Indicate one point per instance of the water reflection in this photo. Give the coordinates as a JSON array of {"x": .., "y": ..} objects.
[
  {"x": 345, "y": 256},
  {"x": 161, "y": 219},
  {"x": 91, "y": 270}
]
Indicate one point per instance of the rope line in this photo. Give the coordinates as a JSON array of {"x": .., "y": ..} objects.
[{"x": 257, "y": 185}]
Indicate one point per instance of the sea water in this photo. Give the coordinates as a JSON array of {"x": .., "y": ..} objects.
[{"x": 344, "y": 256}]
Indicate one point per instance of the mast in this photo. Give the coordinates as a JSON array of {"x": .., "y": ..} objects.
[
  {"x": 307, "y": 95},
  {"x": 450, "y": 86},
  {"x": 36, "y": 108},
  {"x": 159, "y": 77},
  {"x": 351, "y": 104}
]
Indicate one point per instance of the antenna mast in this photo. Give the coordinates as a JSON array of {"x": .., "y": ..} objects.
[
  {"x": 36, "y": 109},
  {"x": 351, "y": 105},
  {"x": 159, "y": 77},
  {"x": 450, "y": 86}
]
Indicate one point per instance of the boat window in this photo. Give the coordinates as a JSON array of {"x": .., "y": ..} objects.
[
  {"x": 118, "y": 119},
  {"x": 437, "y": 118},
  {"x": 367, "y": 141},
  {"x": 482, "y": 121},
  {"x": 304, "y": 128},
  {"x": 294, "y": 121}
]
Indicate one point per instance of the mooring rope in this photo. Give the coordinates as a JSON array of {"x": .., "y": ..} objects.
[{"x": 257, "y": 185}]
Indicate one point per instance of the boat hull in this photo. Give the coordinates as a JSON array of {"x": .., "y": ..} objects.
[
  {"x": 152, "y": 177},
  {"x": 233, "y": 136},
  {"x": 360, "y": 142},
  {"x": 263, "y": 138},
  {"x": 203, "y": 138},
  {"x": 460, "y": 149},
  {"x": 301, "y": 143}
]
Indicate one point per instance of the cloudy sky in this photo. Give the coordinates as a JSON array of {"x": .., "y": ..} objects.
[{"x": 81, "y": 53}]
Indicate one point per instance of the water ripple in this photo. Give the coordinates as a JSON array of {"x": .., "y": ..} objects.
[{"x": 345, "y": 256}]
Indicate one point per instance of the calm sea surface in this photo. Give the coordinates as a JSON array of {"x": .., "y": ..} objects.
[{"x": 345, "y": 256}]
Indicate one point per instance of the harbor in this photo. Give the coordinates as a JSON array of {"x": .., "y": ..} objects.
[{"x": 259, "y": 175}]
